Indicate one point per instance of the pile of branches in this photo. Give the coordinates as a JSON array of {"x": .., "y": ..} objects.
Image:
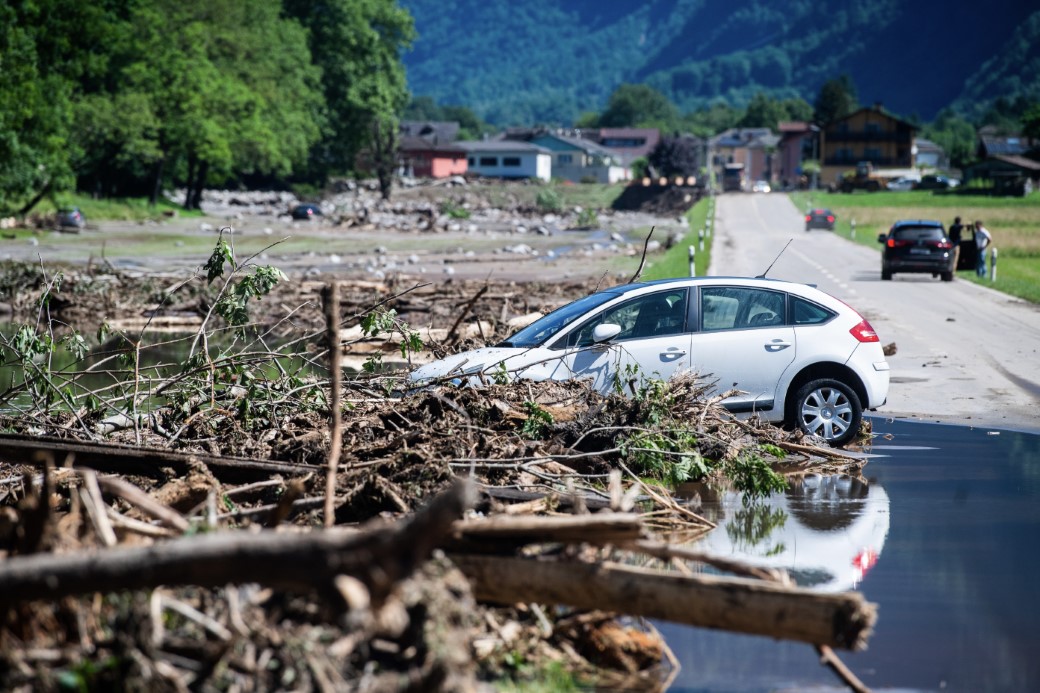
[{"x": 241, "y": 521}]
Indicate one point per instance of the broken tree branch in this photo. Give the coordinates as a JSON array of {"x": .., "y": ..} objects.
[{"x": 734, "y": 604}]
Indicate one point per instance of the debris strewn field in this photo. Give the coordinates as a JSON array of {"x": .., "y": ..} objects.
[{"x": 232, "y": 517}]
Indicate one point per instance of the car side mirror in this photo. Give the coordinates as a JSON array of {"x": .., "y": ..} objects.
[
  {"x": 605, "y": 332},
  {"x": 882, "y": 237}
]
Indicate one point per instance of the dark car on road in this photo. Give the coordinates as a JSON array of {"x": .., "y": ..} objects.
[
  {"x": 935, "y": 182},
  {"x": 917, "y": 245},
  {"x": 819, "y": 219},
  {"x": 71, "y": 218},
  {"x": 306, "y": 211}
]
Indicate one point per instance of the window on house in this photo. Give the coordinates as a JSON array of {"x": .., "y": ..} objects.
[
  {"x": 489, "y": 161},
  {"x": 566, "y": 159},
  {"x": 471, "y": 161},
  {"x": 511, "y": 161},
  {"x": 872, "y": 154},
  {"x": 873, "y": 127}
]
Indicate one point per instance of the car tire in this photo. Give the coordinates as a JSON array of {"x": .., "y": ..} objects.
[
  {"x": 829, "y": 409},
  {"x": 886, "y": 275},
  {"x": 947, "y": 276}
]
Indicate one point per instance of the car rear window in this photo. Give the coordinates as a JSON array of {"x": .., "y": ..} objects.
[{"x": 918, "y": 233}]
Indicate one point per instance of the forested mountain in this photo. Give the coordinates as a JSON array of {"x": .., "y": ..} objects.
[{"x": 548, "y": 61}]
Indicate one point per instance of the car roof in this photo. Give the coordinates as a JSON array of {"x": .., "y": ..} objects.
[
  {"x": 709, "y": 281},
  {"x": 917, "y": 222}
]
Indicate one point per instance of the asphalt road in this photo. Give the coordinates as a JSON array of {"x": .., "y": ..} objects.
[{"x": 964, "y": 353}]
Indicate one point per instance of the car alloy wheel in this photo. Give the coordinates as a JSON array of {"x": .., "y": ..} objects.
[{"x": 828, "y": 409}]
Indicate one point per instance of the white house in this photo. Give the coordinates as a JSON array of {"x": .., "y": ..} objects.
[{"x": 507, "y": 159}]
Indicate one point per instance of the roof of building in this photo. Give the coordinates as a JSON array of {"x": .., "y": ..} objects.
[
  {"x": 581, "y": 143},
  {"x": 420, "y": 144},
  {"x": 739, "y": 137},
  {"x": 501, "y": 146},
  {"x": 435, "y": 131},
  {"x": 1004, "y": 144}
]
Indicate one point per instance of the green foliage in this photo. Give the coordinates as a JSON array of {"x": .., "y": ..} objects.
[
  {"x": 233, "y": 304},
  {"x": 454, "y": 210},
  {"x": 587, "y": 219},
  {"x": 549, "y": 200},
  {"x": 537, "y": 422},
  {"x": 837, "y": 99},
  {"x": 753, "y": 475},
  {"x": 637, "y": 105},
  {"x": 677, "y": 156}
]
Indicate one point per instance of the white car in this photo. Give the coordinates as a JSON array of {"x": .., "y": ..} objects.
[
  {"x": 797, "y": 355},
  {"x": 902, "y": 183},
  {"x": 760, "y": 186}
]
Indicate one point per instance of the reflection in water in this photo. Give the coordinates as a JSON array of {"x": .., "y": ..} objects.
[
  {"x": 826, "y": 531},
  {"x": 955, "y": 586}
]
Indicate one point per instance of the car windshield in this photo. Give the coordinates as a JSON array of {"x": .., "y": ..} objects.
[
  {"x": 918, "y": 233},
  {"x": 549, "y": 326}
]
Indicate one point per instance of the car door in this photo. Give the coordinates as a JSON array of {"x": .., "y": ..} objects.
[
  {"x": 743, "y": 343},
  {"x": 654, "y": 343}
]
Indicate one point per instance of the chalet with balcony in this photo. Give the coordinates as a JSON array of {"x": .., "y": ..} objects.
[
  {"x": 754, "y": 147},
  {"x": 869, "y": 134}
]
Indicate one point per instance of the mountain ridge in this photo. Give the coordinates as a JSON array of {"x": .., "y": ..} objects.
[{"x": 548, "y": 61}]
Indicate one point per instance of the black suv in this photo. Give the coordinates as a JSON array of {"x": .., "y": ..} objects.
[
  {"x": 917, "y": 246},
  {"x": 819, "y": 219}
]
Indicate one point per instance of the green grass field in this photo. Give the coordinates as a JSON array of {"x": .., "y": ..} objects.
[
  {"x": 675, "y": 262},
  {"x": 1014, "y": 223}
]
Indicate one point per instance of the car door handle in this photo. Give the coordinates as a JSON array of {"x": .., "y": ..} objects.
[
  {"x": 672, "y": 354},
  {"x": 777, "y": 345}
]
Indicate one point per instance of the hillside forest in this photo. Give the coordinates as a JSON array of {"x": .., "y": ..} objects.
[{"x": 119, "y": 99}]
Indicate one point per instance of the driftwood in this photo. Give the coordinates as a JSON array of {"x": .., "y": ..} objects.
[
  {"x": 377, "y": 557},
  {"x": 123, "y": 459},
  {"x": 734, "y": 604}
]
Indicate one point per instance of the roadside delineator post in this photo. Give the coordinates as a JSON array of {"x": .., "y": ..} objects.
[
  {"x": 993, "y": 266},
  {"x": 693, "y": 257},
  {"x": 852, "y": 224},
  {"x": 700, "y": 238}
]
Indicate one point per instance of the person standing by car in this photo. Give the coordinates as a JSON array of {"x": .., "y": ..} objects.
[
  {"x": 983, "y": 239},
  {"x": 956, "y": 229}
]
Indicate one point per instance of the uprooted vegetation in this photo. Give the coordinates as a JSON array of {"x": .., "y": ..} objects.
[{"x": 232, "y": 516}]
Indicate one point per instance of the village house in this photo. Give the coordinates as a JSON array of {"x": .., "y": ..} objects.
[
  {"x": 421, "y": 159},
  {"x": 582, "y": 161},
  {"x": 799, "y": 142},
  {"x": 629, "y": 143},
  {"x": 867, "y": 135},
  {"x": 755, "y": 148},
  {"x": 507, "y": 159}
]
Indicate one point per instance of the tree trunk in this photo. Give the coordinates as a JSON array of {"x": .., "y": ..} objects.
[
  {"x": 733, "y": 604},
  {"x": 190, "y": 183},
  {"x": 36, "y": 200},
  {"x": 160, "y": 165},
  {"x": 200, "y": 184}
]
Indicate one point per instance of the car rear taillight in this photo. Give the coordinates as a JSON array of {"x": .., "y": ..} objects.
[
  {"x": 946, "y": 245},
  {"x": 893, "y": 243},
  {"x": 830, "y": 219},
  {"x": 808, "y": 217},
  {"x": 863, "y": 332}
]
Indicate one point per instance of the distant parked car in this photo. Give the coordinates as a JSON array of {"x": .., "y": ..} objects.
[
  {"x": 917, "y": 245},
  {"x": 306, "y": 212},
  {"x": 71, "y": 218},
  {"x": 936, "y": 182},
  {"x": 760, "y": 186},
  {"x": 820, "y": 219},
  {"x": 901, "y": 183}
]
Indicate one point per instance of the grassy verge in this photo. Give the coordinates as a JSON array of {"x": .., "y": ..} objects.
[
  {"x": 675, "y": 262},
  {"x": 1014, "y": 223},
  {"x": 115, "y": 209}
]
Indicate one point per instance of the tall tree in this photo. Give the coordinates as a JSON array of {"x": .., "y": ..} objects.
[
  {"x": 638, "y": 105},
  {"x": 837, "y": 99},
  {"x": 358, "y": 45}
]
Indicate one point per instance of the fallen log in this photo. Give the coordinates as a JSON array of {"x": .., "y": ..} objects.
[
  {"x": 110, "y": 458},
  {"x": 378, "y": 557},
  {"x": 734, "y": 604}
]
